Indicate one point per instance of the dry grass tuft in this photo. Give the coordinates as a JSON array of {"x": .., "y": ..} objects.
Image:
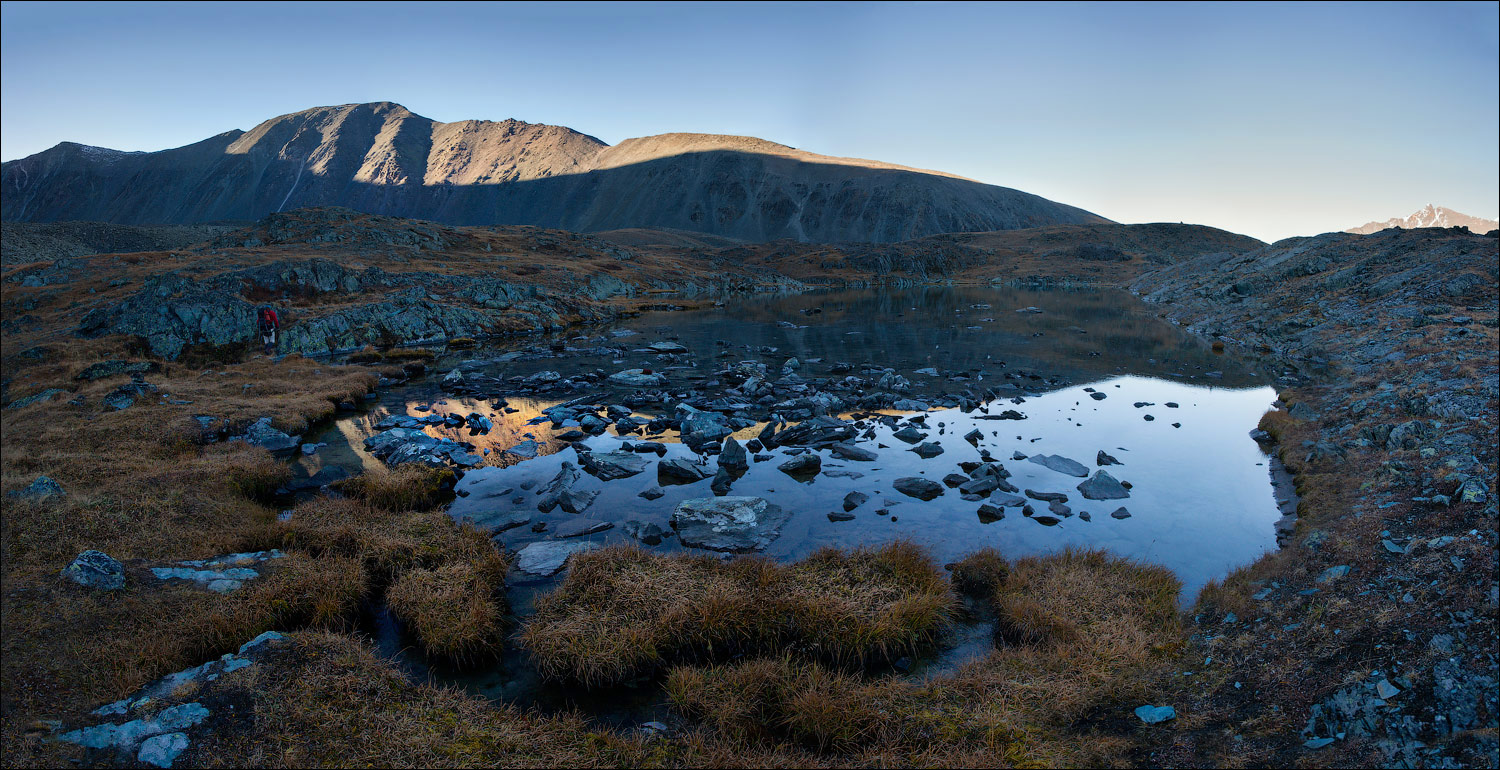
[
  {"x": 407, "y": 488},
  {"x": 979, "y": 573},
  {"x": 457, "y": 610},
  {"x": 622, "y": 612}
]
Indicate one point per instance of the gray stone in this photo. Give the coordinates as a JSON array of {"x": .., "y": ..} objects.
[
  {"x": 1155, "y": 714},
  {"x": 650, "y": 534},
  {"x": 1333, "y": 573},
  {"x": 1047, "y": 497},
  {"x": 1120, "y": 513},
  {"x": 1103, "y": 459},
  {"x": 96, "y": 569},
  {"x": 261, "y": 434},
  {"x": 928, "y": 449},
  {"x": 41, "y": 487},
  {"x": 840, "y": 516},
  {"x": 680, "y": 471},
  {"x": 526, "y": 449},
  {"x": 1103, "y": 487},
  {"x": 852, "y": 452},
  {"x": 612, "y": 465},
  {"x": 653, "y": 493},
  {"x": 732, "y": 456},
  {"x": 1007, "y": 500},
  {"x": 638, "y": 378},
  {"x": 974, "y": 436},
  {"x": 560, "y": 492},
  {"x": 980, "y": 486},
  {"x": 920, "y": 488},
  {"x": 580, "y": 527},
  {"x": 162, "y": 750},
  {"x": 802, "y": 465},
  {"x": 854, "y": 500},
  {"x": 909, "y": 434},
  {"x": 38, "y": 398},
  {"x": 728, "y": 523},
  {"x": 1060, "y": 464},
  {"x": 548, "y": 557}
]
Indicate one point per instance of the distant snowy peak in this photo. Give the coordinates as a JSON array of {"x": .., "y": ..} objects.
[{"x": 1429, "y": 216}]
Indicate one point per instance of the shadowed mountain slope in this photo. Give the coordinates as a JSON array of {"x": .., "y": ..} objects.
[{"x": 381, "y": 158}]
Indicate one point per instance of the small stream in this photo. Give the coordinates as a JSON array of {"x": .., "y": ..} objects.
[{"x": 1092, "y": 372}]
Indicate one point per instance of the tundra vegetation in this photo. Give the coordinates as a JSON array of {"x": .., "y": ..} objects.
[{"x": 771, "y": 664}]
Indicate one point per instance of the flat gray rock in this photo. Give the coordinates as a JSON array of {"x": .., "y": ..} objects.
[
  {"x": 1061, "y": 465},
  {"x": 580, "y": 527},
  {"x": 612, "y": 465},
  {"x": 728, "y": 523},
  {"x": 680, "y": 471},
  {"x": 852, "y": 452},
  {"x": 548, "y": 557},
  {"x": 802, "y": 465}
]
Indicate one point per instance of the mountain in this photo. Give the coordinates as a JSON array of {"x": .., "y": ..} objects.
[
  {"x": 1429, "y": 216},
  {"x": 381, "y": 158}
]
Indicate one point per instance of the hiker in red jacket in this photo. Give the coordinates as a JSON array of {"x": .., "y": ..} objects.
[{"x": 269, "y": 324}]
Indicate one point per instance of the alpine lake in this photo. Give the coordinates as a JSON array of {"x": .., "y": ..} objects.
[{"x": 957, "y": 418}]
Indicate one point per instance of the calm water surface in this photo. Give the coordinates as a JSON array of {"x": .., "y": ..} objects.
[{"x": 1201, "y": 502}]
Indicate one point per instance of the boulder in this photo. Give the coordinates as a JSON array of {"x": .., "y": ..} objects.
[
  {"x": 39, "y": 488},
  {"x": 650, "y": 534},
  {"x": 803, "y": 465},
  {"x": 732, "y": 456},
  {"x": 1120, "y": 513},
  {"x": 96, "y": 569},
  {"x": 580, "y": 527},
  {"x": 1103, "y": 459},
  {"x": 928, "y": 449},
  {"x": 728, "y": 523},
  {"x": 261, "y": 434},
  {"x": 909, "y": 434},
  {"x": 818, "y": 431},
  {"x": 1103, "y": 486},
  {"x": 920, "y": 488},
  {"x": 854, "y": 500}
]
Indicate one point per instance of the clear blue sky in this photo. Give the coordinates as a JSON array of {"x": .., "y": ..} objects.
[{"x": 1270, "y": 120}]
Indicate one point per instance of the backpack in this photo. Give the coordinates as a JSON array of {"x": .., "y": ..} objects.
[{"x": 267, "y": 319}]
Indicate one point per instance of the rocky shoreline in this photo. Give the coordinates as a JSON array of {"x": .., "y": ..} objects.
[{"x": 1388, "y": 342}]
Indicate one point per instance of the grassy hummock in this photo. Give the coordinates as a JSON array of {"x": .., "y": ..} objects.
[{"x": 622, "y": 612}]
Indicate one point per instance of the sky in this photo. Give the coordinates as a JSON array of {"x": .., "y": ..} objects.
[{"x": 1270, "y": 120}]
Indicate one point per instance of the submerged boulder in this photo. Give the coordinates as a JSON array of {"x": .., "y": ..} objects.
[
  {"x": 728, "y": 523},
  {"x": 612, "y": 465},
  {"x": 559, "y": 492},
  {"x": 920, "y": 488}
]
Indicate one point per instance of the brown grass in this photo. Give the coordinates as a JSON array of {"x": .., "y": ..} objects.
[
  {"x": 408, "y": 487},
  {"x": 622, "y": 612},
  {"x": 456, "y": 610}
]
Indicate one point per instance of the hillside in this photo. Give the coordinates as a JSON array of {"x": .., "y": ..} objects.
[{"x": 381, "y": 158}]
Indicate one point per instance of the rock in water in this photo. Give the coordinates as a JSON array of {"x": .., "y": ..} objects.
[
  {"x": 637, "y": 378},
  {"x": 920, "y": 488},
  {"x": 680, "y": 471},
  {"x": 1120, "y": 513},
  {"x": 728, "y": 523},
  {"x": 1103, "y": 487},
  {"x": 909, "y": 434},
  {"x": 854, "y": 500},
  {"x": 802, "y": 465},
  {"x": 928, "y": 449},
  {"x": 1061, "y": 465},
  {"x": 96, "y": 569},
  {"x": 722, "y": 481},
  {"x": 733, "y": 456},
  {"x": 548, "y": 557},
  {"x": 1103, "y": 459},
  {"x": 852, "y": 452},
  {"x": 612, "y": 465},
  {"x": 560, "y": 492}
]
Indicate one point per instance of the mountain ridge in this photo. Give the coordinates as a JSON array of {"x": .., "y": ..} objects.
[
  {"x": 384, "y": 159},
  {"x": 1429, "y": 216}
]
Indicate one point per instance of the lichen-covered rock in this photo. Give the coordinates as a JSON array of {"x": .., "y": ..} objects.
[
  {"x": 96, "y": 569},
  {"x": 728, "y": 523}
]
